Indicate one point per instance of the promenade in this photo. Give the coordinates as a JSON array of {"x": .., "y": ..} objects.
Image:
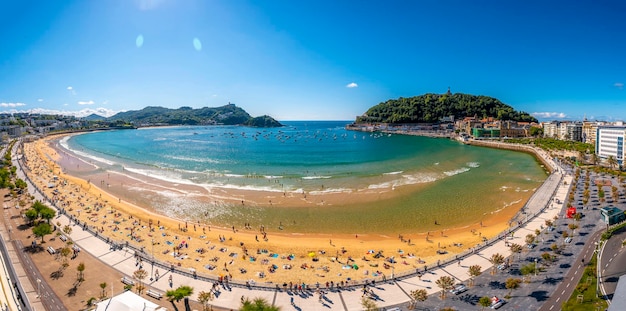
[{"x": 540, "y": 207}]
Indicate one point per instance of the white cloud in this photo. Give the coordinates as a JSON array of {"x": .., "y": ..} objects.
[
  {"x": 71, "y": 90},
  {"x": 619, "y": 85},
  {"x": 79, "y": 114},
  {"x": 40, "y": 100},
  {"x": 549, "y": 115},
  {"x": 90, "y": 102},
  {"x": 12, "y": 105},
  {"x": 352, "y": 85}
]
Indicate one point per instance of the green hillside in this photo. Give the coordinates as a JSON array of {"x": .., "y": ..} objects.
[
  {"x": 227, "y": 115},
  {"x": 430, "y": 108}
]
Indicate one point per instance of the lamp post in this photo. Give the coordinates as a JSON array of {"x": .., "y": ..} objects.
[
  {"x": 38, "y": 288},
  {"x": 535, "y": 266},
  {"x": 152, "y": 265}
]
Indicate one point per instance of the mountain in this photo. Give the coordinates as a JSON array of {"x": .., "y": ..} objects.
[
  {"x": 228, "y": 115},
  {"x": 94, "y": 117},
  {"x": 430, "y": 108}
]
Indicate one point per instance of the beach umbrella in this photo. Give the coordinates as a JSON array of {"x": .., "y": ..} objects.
[
  {"x": 312, "y": 254},
  {"x": 355, "y": 267}
]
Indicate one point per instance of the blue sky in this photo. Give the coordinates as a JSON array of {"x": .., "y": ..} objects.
[{"x": 305, "y": 60}]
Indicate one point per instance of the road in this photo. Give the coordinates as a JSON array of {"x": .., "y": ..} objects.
[
  {"x": 613, "y": 262},
  {"x": 567, "y": 286}
]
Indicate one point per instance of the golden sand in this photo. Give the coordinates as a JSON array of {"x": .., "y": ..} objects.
[{"x": 244, "y": 253}]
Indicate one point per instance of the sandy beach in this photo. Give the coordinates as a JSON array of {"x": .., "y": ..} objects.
[{"x": 243, "y": 252}]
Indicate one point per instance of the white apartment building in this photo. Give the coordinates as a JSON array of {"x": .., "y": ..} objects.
[
  {"x": 550, "y": 129},
  {"x": 610, "y": 142},
  {"x": 563, "y": 130}
]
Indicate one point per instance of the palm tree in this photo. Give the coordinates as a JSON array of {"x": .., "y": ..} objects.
[
  {"x": 258, "y": 304},
  {"x": 177, "y": 294},
  {"x": 103, "y": 285},
  {"x": 474, "y": 271},
  {"x": 573, "y": 227},
  {"x": 484, "y": 302},
  {"x": 496, "y": 259},
  {"x": 204, "y": 298},
  {"x": 445, "y": 283},
  {"x": 81, "y": 269},
  {"x": 512, "y": 284}
]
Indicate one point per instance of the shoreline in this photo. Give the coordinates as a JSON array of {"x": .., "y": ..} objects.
[{"x": 417, "y": 252}]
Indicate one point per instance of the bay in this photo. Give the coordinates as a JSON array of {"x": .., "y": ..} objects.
[{"x": 428, "y": 178}]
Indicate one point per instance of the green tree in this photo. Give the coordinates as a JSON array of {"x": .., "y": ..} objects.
[
  {"x": 41, "y": 230},
  {"x": 258, "y": 304},
  {"x": 536, "y": 131},
  {"x": 528, "y": 270},
  {"x": 512, "y": 284},
  {"x": 47, "y": 213},
  {"x": 179, "y": 293},
  {"x": 31, "y": 215},
  {"x": 20, "y": 185},
  {"x": 484, "y": 302},
  {"x": 38, "y": 206},
  {"x": 445, "y": 283}
]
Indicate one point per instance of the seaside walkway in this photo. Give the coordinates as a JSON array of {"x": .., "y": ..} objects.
[{"x": 396, "y": 291}]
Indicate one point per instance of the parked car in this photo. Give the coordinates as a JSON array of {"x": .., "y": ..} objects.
[
  {"x": 496, "y": 302},
  {"x": 459, "y": 289},
  {"x": 568, "y": 239}
]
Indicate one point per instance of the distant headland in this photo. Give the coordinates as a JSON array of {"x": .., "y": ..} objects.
[
  {"x": 159, "y": 116},
  {"x": 435, "y": 108}
]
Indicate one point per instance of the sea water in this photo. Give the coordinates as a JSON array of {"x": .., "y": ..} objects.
[{"x": 432, "y": 178}]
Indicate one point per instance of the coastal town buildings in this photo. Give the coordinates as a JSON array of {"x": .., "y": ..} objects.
[
  {"x": 610, "y": 143},
  {"x": 564, "y": 130}
]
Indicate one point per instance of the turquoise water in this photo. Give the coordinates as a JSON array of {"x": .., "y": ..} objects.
[{"x": 430, "y": 177}]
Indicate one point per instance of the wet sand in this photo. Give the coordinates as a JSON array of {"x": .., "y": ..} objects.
[{"x": 246, "y": 253}]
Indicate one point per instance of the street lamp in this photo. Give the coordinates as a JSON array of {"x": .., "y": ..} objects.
[
  {"x": 152, "y": 266},
  {"x": 38, "y": 288},
  {"x": 535, "y": 266}
]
